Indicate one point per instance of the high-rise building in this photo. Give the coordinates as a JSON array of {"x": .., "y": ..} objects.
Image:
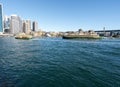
[
  {"x": 24, "y": 26},
  {"x": 15, "y": 24},
  {"x": 35, "y": 26},
  {"x": 27, "y": 26},
  {"x": 1, "y": 20},
  {"x": 6, "y": 22}
]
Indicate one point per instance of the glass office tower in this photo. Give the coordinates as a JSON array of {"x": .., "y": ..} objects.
[{"x": 1, "y": 21}]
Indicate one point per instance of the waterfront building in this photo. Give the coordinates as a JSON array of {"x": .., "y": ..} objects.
[
  {"x": 1, "y": 20},
  {"x": 27, "y": 26},
  {"x": 15, "y": 24},
  {"x": 35, "y": 26}
]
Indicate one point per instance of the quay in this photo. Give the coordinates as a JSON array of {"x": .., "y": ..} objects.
[{"x": 6, "y": 35}]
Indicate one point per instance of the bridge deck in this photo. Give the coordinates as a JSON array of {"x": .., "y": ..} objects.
[{"x": 108, "y": 30}]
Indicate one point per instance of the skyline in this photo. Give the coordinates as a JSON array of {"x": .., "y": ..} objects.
[{"x": 67, "y": 15}]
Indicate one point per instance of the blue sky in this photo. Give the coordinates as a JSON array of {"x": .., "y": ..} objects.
[{"x": 67, "y": 15}]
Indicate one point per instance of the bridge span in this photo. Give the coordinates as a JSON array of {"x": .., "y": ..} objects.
[{"x": 108, "y": 33}]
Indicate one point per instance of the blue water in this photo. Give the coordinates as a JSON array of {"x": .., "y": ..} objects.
[{"x": 56, "y": 62}]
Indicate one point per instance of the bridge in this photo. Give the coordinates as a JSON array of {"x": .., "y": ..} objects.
[{"x": 108, "y": 33}]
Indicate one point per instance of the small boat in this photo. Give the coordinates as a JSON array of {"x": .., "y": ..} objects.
[{"x": 23, "y": 36}]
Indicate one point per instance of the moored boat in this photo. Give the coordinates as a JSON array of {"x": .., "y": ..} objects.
[
  {"x": 23, "y": 36},
  {"x": 82, "y": 35}
]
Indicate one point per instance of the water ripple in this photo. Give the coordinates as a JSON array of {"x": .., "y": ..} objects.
[{"x": 54, "y": 62}]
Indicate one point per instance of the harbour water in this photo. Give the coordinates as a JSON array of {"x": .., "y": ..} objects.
[{"x": 55, "y": 62}]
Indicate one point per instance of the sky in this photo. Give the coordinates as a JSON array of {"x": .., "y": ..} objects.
[{"x": 67, "y": 15}]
